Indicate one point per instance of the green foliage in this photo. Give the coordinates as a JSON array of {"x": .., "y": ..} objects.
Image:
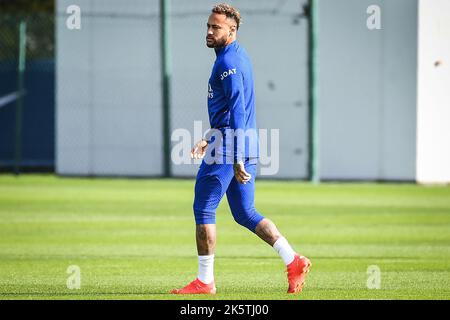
[
  {"x": 40, "y": 19},
  {"x": 27, "y": 7}
]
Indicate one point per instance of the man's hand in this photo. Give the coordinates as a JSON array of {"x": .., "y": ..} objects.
[
  {"x": 241, "y": 175},
  {"x": 199, "y": 149}
]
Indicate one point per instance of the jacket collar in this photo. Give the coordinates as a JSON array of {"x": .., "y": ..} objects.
[{"x": 223, "y": 50}]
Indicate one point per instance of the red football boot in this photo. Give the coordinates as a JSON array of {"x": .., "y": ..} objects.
[
  {"x": 296, "y": 272},
  {"x": 196, "y": 287}
]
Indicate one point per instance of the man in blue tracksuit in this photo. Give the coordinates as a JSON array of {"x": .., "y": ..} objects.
[{"x": 230, "y": 164}]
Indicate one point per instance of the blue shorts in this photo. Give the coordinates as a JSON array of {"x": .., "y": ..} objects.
[{"x": 213, "y": 180}]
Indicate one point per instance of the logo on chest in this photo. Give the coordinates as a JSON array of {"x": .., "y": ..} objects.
[
  {"x": 227, "y": 73},
  {"x": 210, "y": 91}
]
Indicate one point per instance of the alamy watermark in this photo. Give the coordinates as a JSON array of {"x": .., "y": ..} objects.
[
  {"x": 73, "y": 22},
  {"x": 374, "y": 279},
  {"x": 74, "y": 280},
  {"x": 226, "y": 145},
  {"x": 374, "y": 20}
]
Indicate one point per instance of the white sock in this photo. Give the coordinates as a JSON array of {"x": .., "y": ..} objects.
[
  {"x": 284, "y": 249},
  {"x": 206, "y": 269}
]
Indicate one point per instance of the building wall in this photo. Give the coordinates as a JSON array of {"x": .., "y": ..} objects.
[
  {"x": 108, "y": 89},
  {"x": 367, "y": 90},
  {"x": 433, "y": 108}
]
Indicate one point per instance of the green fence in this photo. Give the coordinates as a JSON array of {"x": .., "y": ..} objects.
[{"x": 27, "y": 51}]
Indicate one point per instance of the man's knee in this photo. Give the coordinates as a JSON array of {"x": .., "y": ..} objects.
[{"x": 248, "y": 218}]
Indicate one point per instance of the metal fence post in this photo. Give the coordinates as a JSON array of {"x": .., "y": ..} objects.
[
  {"x": 313, "y": 23},
  {"x": 20, "y": 88},
  {"x": 166, "y": 77}
]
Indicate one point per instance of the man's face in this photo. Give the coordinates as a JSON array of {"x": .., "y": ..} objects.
[{"x": 219, "y": 30}]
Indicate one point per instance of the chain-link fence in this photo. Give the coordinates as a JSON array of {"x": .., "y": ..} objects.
[
  {"x": 274, "y": 34},
  {"x": 27, "y": 92},
  {"x": 109, "y": 112},
  {"x": 109, "y": 82},
  {"x": 99, "y": 110}
]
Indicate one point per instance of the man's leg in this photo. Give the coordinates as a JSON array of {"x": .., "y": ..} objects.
[
  {"x": 210, "y": 186},
  {"x": 241, "y": 200},
  {"x": 205, "y": 236},
  {"x": 267, "y": 231}
]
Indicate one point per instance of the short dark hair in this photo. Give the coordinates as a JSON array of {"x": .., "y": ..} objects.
[{"x": 229, "y": 11}]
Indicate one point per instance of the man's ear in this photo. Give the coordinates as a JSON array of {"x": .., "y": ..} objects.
[{"x": 232, "y": 30}]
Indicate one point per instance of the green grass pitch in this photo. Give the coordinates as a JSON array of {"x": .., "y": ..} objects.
[{"x": 134, "y": 239}]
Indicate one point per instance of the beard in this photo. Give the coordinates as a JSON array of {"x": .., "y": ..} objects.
[{"x": 219, "y": 43}]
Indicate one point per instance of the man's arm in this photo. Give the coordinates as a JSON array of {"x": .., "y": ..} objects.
[{"x": 233, "y": 85}]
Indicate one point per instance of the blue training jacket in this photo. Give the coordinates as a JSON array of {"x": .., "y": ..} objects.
[{"x": 231, "y": 100}]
